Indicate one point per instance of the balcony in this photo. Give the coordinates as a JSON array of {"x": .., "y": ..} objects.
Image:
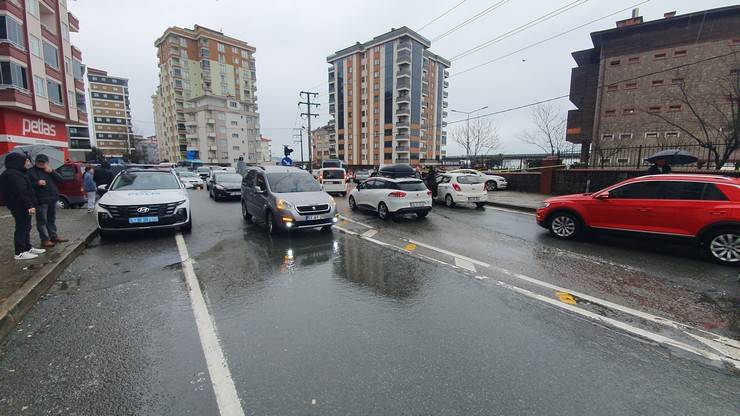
[
  {"x": 403, "y": 56},
  {"x": 444, "y": 104},
  {"x": 404, "y": 149},
  {"x": 446, "y": 84},
  {"x": 404, "y": 72},
  {"x": 444, "y": 113},
  {"x": 211, "y": 121},
  {"x": 332, "y": 108},
  {"x": 445, "y": 94},
  {"x": 331, "y": 69},
  {"x": 74, "y": 23},
  {"x": 402, "y": 160},
  {"x": 404, "y": 44},
  {"x": 403, "y": 84},
  {"x": 331, "y": 122},
  {"x": 425, "y": 90},
  {"x": 402, "y": 137},
  {"x": 403, "y": 111},
  {"x": 332, "y": 90},
  {"x": 447, "y": 73},
  {"x": 403, "y": 98},
  {"x": 212, "y": 135}
]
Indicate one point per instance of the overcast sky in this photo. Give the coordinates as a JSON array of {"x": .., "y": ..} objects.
[{"x": 293, "y": 39}]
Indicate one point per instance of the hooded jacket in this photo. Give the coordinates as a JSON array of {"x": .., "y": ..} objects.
[
  {"x": 48, "y": 193},
  {"x": 14, "y": 183},
  {"x": 103, "y": 175}
]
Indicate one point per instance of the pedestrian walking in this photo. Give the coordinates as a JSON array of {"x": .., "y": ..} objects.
[
  {"x": 241, "y": 167},
  {"x": 21, "y": 200},
  {"x": 660, "y": 166},
  {"x": 103, "y": 175},
  {"x": 44, "y": 181},
  {"x": 431, "y": 181},
  {"x": 88, "y": 185}
]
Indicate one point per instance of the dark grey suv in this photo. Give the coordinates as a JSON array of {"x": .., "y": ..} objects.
[{"x": 286, "y": 198}]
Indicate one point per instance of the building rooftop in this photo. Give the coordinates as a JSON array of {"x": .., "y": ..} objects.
[
  {"x": 385, "y": 37},
  {"x": 199, "y": 31}
]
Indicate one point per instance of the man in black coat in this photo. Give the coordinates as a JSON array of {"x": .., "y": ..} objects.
[
  {"x": 103, "y": 175},
  {"x": 44, "y": 181},
  {"x": 19, "y": 196},
  {"x": 660, "y": 166}
]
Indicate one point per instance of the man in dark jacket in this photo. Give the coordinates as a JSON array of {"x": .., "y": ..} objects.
[
  {"x": 44, "y": 181},
  {"x": 660, "y": 166},
  {"x": 19, "y": 195},
  {"x": 103, "y": 175}
]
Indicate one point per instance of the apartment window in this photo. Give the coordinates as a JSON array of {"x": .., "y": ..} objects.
[
  {"x": 32, "y": 6},
  {"x": 657, "y": 82},
  {"x": 234, "y": 122},
  {"x": 220, "y": 47},
  {"x": 234, "y": 135},
  {"x": 11, "y": 30},
  {"x": 625, "y": 136},
  {"x": 236, "y": 61},
  {"x": 39, "y": 85},
  {"x": 671, "y": 135},
  {"x": 235, "y": 148},
  {"x": 376, "y": 110},
  {"x": 35, "y": 44},
  {"x": 610, "y": 113},
  {"x": 65, "y": 31},
  {"x": 77, "y": 70},
  {"x": 183, "y": 42},
  {"x": 674, "y": 107},
  {"x": 654, "y": 109},
  {"x": 234, "y": 50},
  {"x": 245, "y": 54},
  {"x": 633, "y": 60},
  {"x": 376, "y": 74},
  {"x": 651, "y": 136},
  {"x": 68, "y": 66},
  {"x": 376, "y": 62},
  {"x": 204, "y": 53},
  {"x": 376, "y": 87},
  {"x": 679, "y": 53},
  {"x": 12, "y": 74},
  {"x": 51, "y": 56},
  {"x": 233, "y": 104},
  {"x": 630, "y": 85},
  {"x": 70, "y": 97},
  {"x": 677, "y": 81},
  {"x": 54, "y": 90},
  {"x": 615, "y": 62},
  {"x": 612, "y": 88},
  {"x": 658, "y": 56}
]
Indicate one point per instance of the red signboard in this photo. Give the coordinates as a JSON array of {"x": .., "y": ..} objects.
[{"x": 27, "y": 125}]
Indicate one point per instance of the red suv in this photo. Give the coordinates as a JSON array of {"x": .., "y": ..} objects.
[{"x": 703, "y": 209}]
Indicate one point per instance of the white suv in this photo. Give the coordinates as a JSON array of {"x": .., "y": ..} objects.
[
  {"x": 492, "y": 182},
  {"x": 390, "y": 196}
]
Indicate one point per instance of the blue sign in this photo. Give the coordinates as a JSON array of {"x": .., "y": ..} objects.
[
  {"x": 286, "y": 161},
  {"x": 191, "y": 154}
]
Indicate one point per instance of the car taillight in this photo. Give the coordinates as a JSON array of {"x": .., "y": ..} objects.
[
  {"x": 429, "y": 193},
  {"x": 397, "y": 194},
  {"x": 456, "y": 187},
  {"x": 82, "y": 190}
]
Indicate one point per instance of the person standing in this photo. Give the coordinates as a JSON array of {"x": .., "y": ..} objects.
[
  {"x": 660, "y": 166},
  {"x": 241, "y": 166},
  {"x": 88, "y": 185},
  {"x": 103, "y": 175},
  {"x": 20, "y": 197},
  {"x": 44, "y": 181}
]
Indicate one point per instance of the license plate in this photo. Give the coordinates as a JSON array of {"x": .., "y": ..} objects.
[
  {"x": 418, "y": 204},
  {"x": 142, "y": 220},
  {"x": 313, "y": 217},
  {"x": 236, "y": 193},
  {"x": 473, "y": 198}
]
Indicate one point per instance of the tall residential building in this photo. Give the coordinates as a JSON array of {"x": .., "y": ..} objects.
[
  {"x": 264, "y": 150},
  {"x": 42, "y": 89},
  {"x": 323, "y": 142},
  {"x": 387, "y": 99},
  {"x": 112, "y": 127},
  {"x": 628, "y": 87},
  {"x": 205, "y": 106},
  {"x": 147, "y": 149}
]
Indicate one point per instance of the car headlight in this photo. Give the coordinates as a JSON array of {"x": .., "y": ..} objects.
[
  {"x": 221, "y": 187},
  {"x": 544, "y": 204},
  {"x": 333, "y": 201},
  {"x": 283, "y": 204}
]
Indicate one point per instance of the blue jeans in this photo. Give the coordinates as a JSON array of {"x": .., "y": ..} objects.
[{"x": 46, "y": 218}]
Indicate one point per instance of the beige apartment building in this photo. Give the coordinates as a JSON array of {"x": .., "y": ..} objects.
[
  {"x": 323, "y": 142},
  {"x": 112, "y": 127},
  {"x": 205, "y": 106},
  {"x": 388, "y": 100}
]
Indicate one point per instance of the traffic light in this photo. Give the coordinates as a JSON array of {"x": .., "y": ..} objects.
[{"x": 287, "y": 150}]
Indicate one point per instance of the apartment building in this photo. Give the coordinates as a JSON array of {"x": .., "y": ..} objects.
[
  {"x": 264, "y": 150},
  {"x": 387, "y": 100},
  {"x": 205, "y": 106},
  {"x": 324, "y": 144},
  {"x": 146, "y": 147},
  {"x": 42, "y": 89},
  {"x": 112, "y": 127},
  {"x": 628, "y": 88}
]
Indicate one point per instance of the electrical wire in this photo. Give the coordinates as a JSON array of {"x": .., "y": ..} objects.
[
  {"x": 441, "y": 16},
  {"x": 471, "y": 19}
]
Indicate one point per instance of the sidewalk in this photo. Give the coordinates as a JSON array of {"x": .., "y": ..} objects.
[
  {"x": 522, "y": 201},
  {"x": 23, "y": 282}
]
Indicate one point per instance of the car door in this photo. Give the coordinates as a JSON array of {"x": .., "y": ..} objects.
[
  {"x": 629, "y": 207},
  {"x": 683, "y": 208},
  {"x": 248, "y": 188},
  {"x": 363, "y": 190},
  {"x": 259, "y": 199},
  {"x": 370, "y": 193},
  {"x": 443, "y": 186}
]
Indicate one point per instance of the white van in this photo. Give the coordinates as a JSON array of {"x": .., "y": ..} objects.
[{"x": 334, "y": 180}]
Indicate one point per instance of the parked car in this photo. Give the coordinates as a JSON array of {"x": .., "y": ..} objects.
[
  {"x": 461, "y": 188},
  {"x": 701, "y": 209},
  {"x": 400, "y": 170},
  {"x": 203, "y": 172},
  {"x": 334, "y": 180},
  {"x": 143, "y": 199},
  {"x": 362, "y": 174},
  {"x": 225, "y": 185},
  {"x": 492, "y": 182},
  {"x": 212, "y": 171},
  {"x": 71, "y": 194},
  {"x": 391, "y": 196},
  {"x": 286, "y": 198},
  {"x": 191, "y": 178}
]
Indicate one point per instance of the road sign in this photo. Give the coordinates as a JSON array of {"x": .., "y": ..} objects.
[
  {"x": 286, "y": 161},
  {"x": 190, "y": 154}
]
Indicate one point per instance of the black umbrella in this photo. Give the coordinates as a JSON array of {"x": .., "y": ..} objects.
[
  {"x": 674, "y": 157},
  {"x": 397, "y": 171}
]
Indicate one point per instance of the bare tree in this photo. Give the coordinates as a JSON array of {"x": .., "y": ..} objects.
[
  {"x": 713, "y": 107},
  {"x": 549, "y": 131},
  {"x": 606, "y": 148},
  {"x": 478, "y": 139}
]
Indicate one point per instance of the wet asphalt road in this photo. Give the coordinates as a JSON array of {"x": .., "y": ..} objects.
[{"x": 332, "y": 324}]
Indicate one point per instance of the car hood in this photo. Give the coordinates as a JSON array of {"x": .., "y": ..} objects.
[
  {"x": 143, "y": 197},
  {"x": 230, "y": 185},
  {"x": 305, "y": 198},
  {"x": 569, "y": 198}
]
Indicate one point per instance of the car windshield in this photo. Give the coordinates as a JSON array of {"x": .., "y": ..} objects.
[
  {"x": 144, "y": 181},
  {"x": 288, "y": 182},
  {"x": 469, "y": 179},
  {"x": 411, "y": 186},
  {"x": 332, "y": 174},
  {"x": 187, "y": 174},
  {"x": 228, "y": 177}
]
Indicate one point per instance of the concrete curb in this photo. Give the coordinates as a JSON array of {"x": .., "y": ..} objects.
[
  {"x": 23, "y": 299},
  {"x": 511, "y": 206}
]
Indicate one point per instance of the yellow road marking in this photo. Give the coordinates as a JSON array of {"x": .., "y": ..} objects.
[
  {"x": 410, "y": 247},
  {"x": 566, "y": 297}
]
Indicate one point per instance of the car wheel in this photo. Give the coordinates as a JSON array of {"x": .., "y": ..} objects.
[
  {"x": 449, "y": 201},
  {"x": 480, "y": 205},
  {"x": 188, "y": 227},
  {"x": 383, "y": 212},
  {"x": 326, "y": 229},
  {"x": 272, "y": 228},
  {"x": 491, "y": 186},
  {"x": 352, "y": 203},
  {"x": 565, "y": 225},
  {"x": 62, "y": 203},
  {"x": 245, "y": 213},
  {"x": 723, "y": 246},
  {"x": 422, "y": 214}
]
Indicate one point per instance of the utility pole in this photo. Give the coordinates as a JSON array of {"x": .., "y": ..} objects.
[
  {"x": 300, "y": 134},
  {"x": 309, "y": 105}
]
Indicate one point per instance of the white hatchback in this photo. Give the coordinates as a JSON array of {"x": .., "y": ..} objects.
[
  {"x": 492, "y": 182},
  {"x": 334, "y": 180},
  {"x": 388, "y": 196},
  {"x": 459, "y": 188}
]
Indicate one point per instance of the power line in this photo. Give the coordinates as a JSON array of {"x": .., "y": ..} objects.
[
  {"x": 507, "y": 110},
  {"x": 309, "y": 106},
  {"x": 440, "y": 16},
  {"x": 532, "y": 23},
  {"x": 471, "y": 19}
]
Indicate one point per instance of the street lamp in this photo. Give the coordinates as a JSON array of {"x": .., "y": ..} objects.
[{"x": 467, "y": 134}]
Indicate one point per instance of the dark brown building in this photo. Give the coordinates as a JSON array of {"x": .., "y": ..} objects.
[{"x": 629, "y": 88}]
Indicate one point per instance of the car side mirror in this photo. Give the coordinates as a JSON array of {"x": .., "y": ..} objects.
[
  {"x": 603, "y": 195},
  {"x": 259, "y": 190}
]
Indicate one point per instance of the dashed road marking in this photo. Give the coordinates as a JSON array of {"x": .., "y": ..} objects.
[
  {"x": 223, "y": 385},
  {"x": 465, "y": 264},
  {"x": 355, "y": 221},
  {"x": 513, "y": 211},
  {"x": 449, "y": 253},
  {"x": 369, "y": 233}
]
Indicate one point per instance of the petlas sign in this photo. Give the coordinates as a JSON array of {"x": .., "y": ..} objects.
[{"x": 26, "y": 125}]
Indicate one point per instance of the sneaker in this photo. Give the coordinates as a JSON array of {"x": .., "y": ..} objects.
[
  {"x": 36, "y": 251},
  {"x": 25, "y": 256}
]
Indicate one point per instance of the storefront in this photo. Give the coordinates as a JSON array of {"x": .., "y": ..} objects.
[{"x": 21, "y": 129}]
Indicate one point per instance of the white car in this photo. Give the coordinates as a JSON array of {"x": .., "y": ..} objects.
[
  {"x": 192, "y": 179},
  {"x": 143, "y": 199},
  {"x": 492, "y": 182},
  {"x": 388, "y": 196},
  {"x": 461, "y": 188},
  {"x": 334, "y": 180}
]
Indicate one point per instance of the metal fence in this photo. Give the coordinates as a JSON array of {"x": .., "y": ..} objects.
[{"x": 635, "y": 156}]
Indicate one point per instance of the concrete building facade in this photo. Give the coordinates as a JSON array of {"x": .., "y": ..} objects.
[
  {"x": 146, "y": 147},
  {"x": 202, "y": 70},
  {"x": 42, "y": 86},
  {"x": 111, "y": 123},
  {"x": 387, "y": 99},
  {"x": 323, "y": 142}
]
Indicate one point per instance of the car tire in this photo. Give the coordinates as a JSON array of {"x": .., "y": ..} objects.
[
  {"x": 188, "y": 227},
  {"x": 352, "y": 203},
  {"x": 449, "y": 201},
  {"x": 422, "y": 214},
  {"x": 326, "y": 229},
  {"x": 723, "y": 246},
  {"x": 62, "y": 203},
  {"x": 480, "y": 205},
  {"x": 491, "y": 186},
  {"x": 565, "y": 225},
  {"x": 105, "y": 235},
  {"x": 245, "y": 212},
  {"x": 272, "y": 227},
  {"x": 383, "y": 212}
]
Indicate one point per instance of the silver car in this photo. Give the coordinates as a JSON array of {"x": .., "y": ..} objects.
[{"x": 286, "y": 198}]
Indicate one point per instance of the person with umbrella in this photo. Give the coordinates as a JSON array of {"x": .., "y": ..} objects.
[
  {"x": 663, "y": 160},
  {"x": 44, "y": 180},
  {"x": 659, "y": 166},
  {"x": 21, "y": 200}
]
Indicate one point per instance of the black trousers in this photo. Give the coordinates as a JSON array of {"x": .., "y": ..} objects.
[
  {"x": 22, "y": 236},
  {"x": 46, "y": 220}
]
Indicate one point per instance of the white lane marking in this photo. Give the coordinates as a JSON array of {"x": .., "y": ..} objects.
[
  {"x": 218, "y": 369},
  {"x": 513, "y": 211},
  {"x": 465, "y": 264},
  {"x": 449, "y": 253},
  {"x": 481, "y": 277},
  {"x": 369, "y": 233},
  {"x": 344, "y": 230},
  {"x": 626, "y": 327},
  {"x": 355, "y": 221}
]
